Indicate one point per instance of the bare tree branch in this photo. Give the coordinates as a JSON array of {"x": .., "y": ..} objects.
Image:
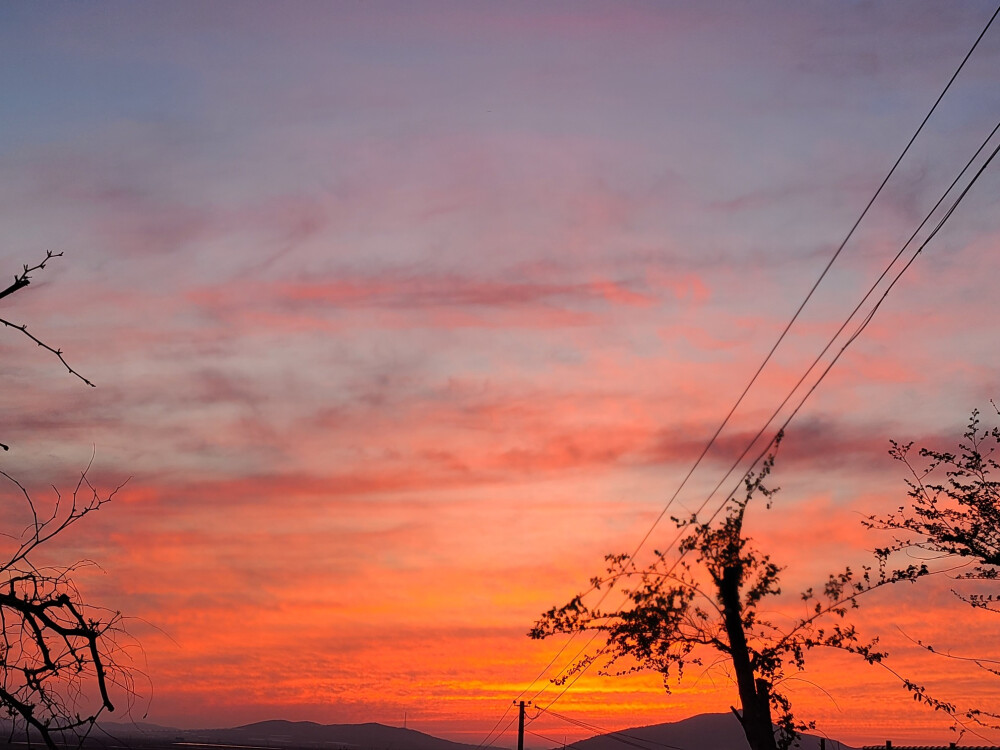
[
  {"x": 20, "y": 281},
  {"x": 52, "y": 645},
  {"x": 23, "y": 328},
  {"x": 59, "y": 656}
]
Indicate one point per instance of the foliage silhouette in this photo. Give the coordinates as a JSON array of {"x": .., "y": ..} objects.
[
  {"x": 677, "y": 611},
  {"x": 956, "y": 516},
  {"x": 959, "y": 516}
]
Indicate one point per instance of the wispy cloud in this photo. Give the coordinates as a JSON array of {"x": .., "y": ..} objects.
[{"x": 400, "y": 320}]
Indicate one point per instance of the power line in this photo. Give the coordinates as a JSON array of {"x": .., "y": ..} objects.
[
  {"x": 623, "y": 737},
  {"x": 575, "y": 659},
  {"x": 850, "y": 317},
  {"x": 583, "y": 668},
  {"x": 816, "y": 284},
  {"x": 784, "y": 332},
  {"x": 870, "y": 315},
  {"x": 489, "y": 743},
  {"x": 763, "y": 364},
  {"x": 548, "y": 739},
  {"x": 868, "y": 318}
]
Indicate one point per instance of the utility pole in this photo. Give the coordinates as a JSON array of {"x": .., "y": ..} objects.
[{"x": 520, "y": 723}]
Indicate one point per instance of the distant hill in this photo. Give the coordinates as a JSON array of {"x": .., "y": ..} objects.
[
  {"x": 702, "y": 732},
  {"x": 283, "y": 734},
  {"x": 309, "y": 734}
]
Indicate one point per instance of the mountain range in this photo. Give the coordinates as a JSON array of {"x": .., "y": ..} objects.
[{"x": 703, "y": 732}]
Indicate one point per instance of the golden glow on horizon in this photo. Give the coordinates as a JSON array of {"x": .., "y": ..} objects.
[{"x": 402, "y": 320}]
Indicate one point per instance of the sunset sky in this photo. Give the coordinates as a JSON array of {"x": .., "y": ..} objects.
[{"x": 402, "y": 315}]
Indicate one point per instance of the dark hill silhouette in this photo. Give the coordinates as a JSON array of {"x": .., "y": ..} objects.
[
  {"x": 702, "y": 732},
  {"x": 310, "y": 734},
  {"x": 278, "y": 733}
]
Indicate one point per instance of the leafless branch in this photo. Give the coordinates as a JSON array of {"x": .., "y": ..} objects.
[
  {"x": 22, "y": 279},
  {"x": 54, "y": 649},
  {"x": 23, "y": 328},
  {"x": 59, "y": 656}
]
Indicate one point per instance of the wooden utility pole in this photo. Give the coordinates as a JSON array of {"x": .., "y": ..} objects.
[{"x": 520, "y": 723}]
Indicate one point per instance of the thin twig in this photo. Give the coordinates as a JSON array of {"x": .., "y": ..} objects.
[
  {"x": 22, "y": 279},
  {"x": 23, "y": 328}
]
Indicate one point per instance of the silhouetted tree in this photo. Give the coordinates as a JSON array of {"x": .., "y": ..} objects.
[
  {"x": 679, "y": 610},
  {"x": 956, "y": 515},
  {"x": 57, "y": 654}
]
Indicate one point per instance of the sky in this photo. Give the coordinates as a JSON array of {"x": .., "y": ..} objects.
[{"x": 402, "y": 315}]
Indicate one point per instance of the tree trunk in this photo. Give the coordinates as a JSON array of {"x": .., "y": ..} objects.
[{"x": 755, "y": 694}]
